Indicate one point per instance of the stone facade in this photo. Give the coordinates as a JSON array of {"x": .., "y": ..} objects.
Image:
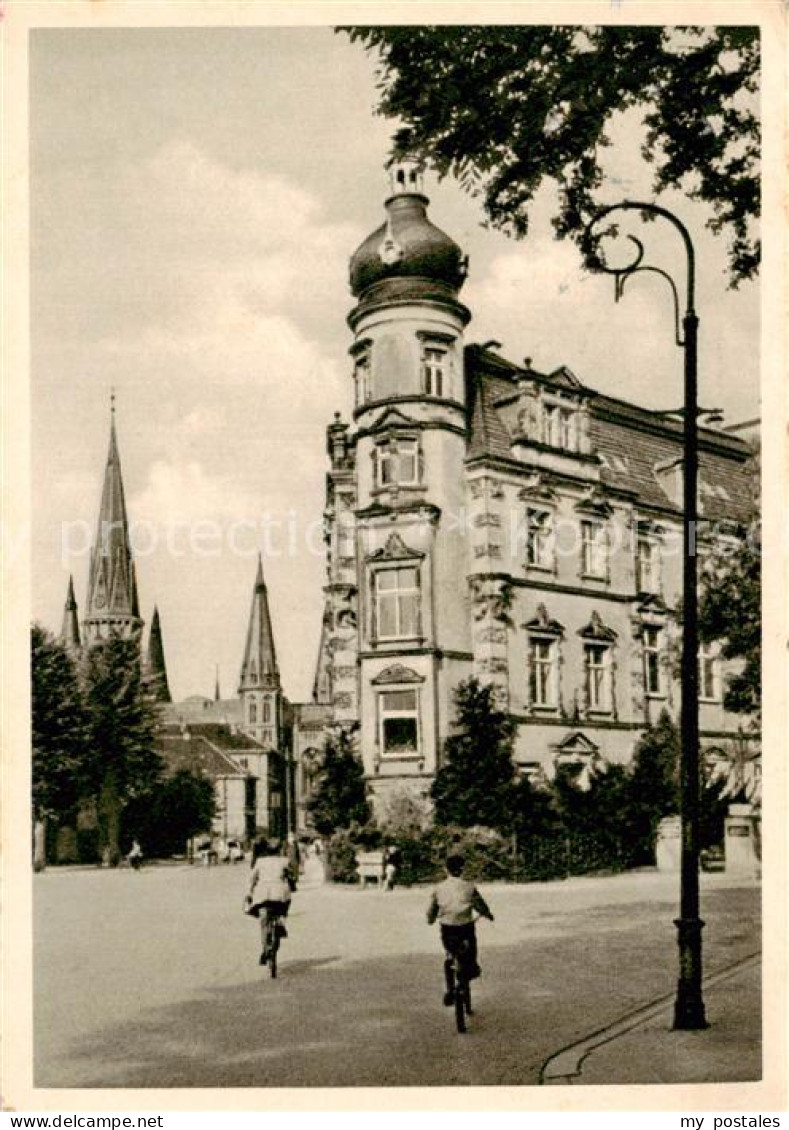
[{"x": 485, "y": 518}]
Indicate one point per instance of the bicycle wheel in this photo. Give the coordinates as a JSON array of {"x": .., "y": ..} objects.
[
  {"x": 461, "y": 988},
  {"x": 273, "y": 946}
]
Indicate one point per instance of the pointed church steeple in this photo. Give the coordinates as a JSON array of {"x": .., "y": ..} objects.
[
  {"x": 112, "y": 605},
  {"x": 260, "y": 688},
  {"x": 259, "y": 669},
  {"x": 70, "y": 631},
  {"x": 157, "y": 668}
]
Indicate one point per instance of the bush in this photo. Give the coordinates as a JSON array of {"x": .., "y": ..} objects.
[{"x": 341, "y": 857}]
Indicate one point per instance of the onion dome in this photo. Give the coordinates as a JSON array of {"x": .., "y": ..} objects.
[{"x": 410, "y": 255}]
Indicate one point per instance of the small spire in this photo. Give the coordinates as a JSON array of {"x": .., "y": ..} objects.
[
  {"x": 259, "y": 667},
  {"x": 217, "y": 694},
  {"x": 157, "y": 668},
  {"x": 70, "y": 631}
]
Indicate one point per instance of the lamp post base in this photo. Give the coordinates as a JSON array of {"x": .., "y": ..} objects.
[{"x": 689, "y": 1004}]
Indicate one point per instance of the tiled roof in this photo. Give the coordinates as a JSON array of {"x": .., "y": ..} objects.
[
  {"x": 224, "y": 737},
  {"x": 631, "y": 442},
  {"x": 196, "y": 754}
]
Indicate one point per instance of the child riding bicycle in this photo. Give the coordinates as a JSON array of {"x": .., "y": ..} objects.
[
  {"x": 453, "y": 904},
  {"x": 269, "y": 889}
]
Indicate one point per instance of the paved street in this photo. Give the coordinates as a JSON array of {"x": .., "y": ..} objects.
[{"x": 151, "y": 979}]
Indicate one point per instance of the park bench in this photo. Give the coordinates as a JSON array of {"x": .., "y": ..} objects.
[{"x": 369, "y": 865}]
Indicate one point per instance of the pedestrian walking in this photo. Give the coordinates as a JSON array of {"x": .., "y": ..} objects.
[{"x": 135, "y": 856}]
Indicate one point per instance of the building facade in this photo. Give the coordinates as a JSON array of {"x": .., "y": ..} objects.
[{"x": 484, "y": 518}]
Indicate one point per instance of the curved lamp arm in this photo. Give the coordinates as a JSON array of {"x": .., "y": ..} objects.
[{"x": 622, "y": 274}]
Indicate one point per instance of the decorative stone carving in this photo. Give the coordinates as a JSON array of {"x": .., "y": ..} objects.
[
  {"x": 537, "y": 488},
  {"x": 491, "y": 597},
  {"x": 597, "y": 630},
  {"x": 397, "y": 673},
  {"x": 492, "y": 635},
  {"x": 395, "y": 549},
  {"x": 343, "y": 700},
  {"x": 542, "y": 622},
  {"x": 345, "y": 672}
]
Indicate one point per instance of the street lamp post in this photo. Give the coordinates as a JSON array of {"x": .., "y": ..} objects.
[{"x": 689, "y": 1003}]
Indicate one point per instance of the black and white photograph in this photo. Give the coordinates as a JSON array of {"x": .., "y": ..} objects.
[{"x": 399, "y": 438}]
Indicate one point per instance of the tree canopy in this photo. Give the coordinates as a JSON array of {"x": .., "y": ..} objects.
[
  {"x": 58, "y": 725},
  {"x": 340, "y": 797},
  {"x": 120, "y": 760},
  {"x": 503, "y": 108},
  {"x": 475, "y": 784}
]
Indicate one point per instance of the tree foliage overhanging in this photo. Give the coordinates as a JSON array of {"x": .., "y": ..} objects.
[{"x": 503, "y": 108}]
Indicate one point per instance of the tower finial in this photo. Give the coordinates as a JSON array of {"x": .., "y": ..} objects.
[{"x": 112, "y": 401}]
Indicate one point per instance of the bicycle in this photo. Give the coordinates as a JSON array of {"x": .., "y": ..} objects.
[
  {"x": 456, "y": 966},
  {"x": 275, "y": 932}
]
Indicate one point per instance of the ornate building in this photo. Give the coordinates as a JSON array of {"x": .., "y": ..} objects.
[{"x": 483, "y": 518}]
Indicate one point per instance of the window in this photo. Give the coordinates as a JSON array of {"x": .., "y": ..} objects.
[
  {"x": 559, "y": 427},
  {"x": 397, "y": 602},
  {"x": 539, "y": 538},
  {"x": 648, "y": 565},
  {"x": 566, "y": 429},
  {"x": 598, "y": 676},
  {"x": 542, "y": 672},
  {"x": 708, "y": 672},
  {"x": 399, "y": 722},
  {"x": 550, "y": 425},
  {"x": 434, "y": 371},
  {"x": 361, "y": 374},
  {"x": 594, "y": 557},
  {"x": 266, "y": 716},
  {"x": 253, "y": 712},
  {"x": 398, "y": 463},
  {"x": 652, "y": 670}
]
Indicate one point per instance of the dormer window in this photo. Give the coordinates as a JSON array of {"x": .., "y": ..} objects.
[{"x": 559, "y": 426}]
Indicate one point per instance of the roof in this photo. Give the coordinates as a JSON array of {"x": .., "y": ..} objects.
[
  {"x": 196, "y": 754},
  {"x": 635, "y": 446}
]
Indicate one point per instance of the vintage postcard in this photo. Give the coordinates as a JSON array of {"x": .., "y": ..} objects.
[{"x": 394, "y": 609}]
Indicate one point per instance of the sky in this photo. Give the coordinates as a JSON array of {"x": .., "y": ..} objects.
[{"x": 196, "y": 195}]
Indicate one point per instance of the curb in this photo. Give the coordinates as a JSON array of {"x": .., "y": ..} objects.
[{"x": 565, "y": 1066}]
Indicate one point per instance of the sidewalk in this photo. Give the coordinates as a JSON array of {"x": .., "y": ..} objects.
[{"x": 643, "y": 1048}]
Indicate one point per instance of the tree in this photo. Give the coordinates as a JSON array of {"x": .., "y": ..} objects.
[
  {"x": 475, "y": 784},
  {"x": 654, "y": 785},
  {"x": 121, "y": 761},
  {"x": 58, "y": 732},
  {"x": 164, "y": 820},
  {"x": 730, "y": 614},
  {"x": 504, "y": 108},
  {"x": 340, "y": 796}
]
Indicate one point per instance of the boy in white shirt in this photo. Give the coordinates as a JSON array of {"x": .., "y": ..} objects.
[{"x": 453, "y": 904}]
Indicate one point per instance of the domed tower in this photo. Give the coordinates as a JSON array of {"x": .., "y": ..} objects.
[
  {"x": 410, "y": 446},
  {"x": 408, "y": 323}
]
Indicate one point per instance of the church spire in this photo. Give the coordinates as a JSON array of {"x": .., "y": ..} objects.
[
  {"x": 69, "y": 634},
  {"x": 157, "y": 668},
  {"x": 259, "y": 669},
  {"x": 217, "y": 694},
  {"x": 112, "y": 605}
]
